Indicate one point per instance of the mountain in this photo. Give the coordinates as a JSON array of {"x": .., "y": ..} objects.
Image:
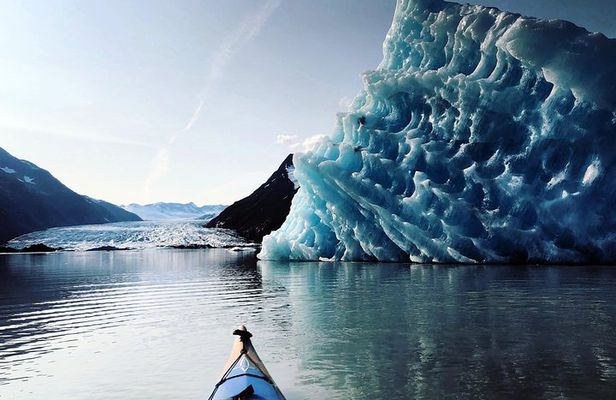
[
  {"x": 31, "y": 199},
  {"x": 482, "y": 137},
  {"x": 265, "y": 209},
  {"x": 171, "y": 211}
]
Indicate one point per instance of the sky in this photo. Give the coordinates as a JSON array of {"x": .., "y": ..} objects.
[{"x": 192, "y": 100}]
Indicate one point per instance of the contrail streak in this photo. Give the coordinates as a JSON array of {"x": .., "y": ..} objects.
[{"x": 247, "y": 30}]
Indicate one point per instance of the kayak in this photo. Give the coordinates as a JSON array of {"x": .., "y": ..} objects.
[{"x": 245, "y": 376}]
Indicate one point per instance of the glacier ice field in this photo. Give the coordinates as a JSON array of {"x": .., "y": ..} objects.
[
  {"x": 483, "y": 136},
  {"x": 132, "y": 235}
]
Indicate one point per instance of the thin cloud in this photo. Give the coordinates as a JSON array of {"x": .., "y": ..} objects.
[
  {"x": 247, "y": 30},
  {"x": 159, "y": 168},
  {"x": 287, "y": 140},
  {"x": 296, "y": 144},
  {"x": 189, "y": 124},
  {"x": 87, "y": 137}
]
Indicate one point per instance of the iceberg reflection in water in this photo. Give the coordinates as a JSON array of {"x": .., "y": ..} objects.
[{"x": 156, "y": 324}]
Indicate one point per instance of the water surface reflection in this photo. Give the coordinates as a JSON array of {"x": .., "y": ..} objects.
[
  {"x": 155, "y": 324},
  {"x": 402, "y": 331}
]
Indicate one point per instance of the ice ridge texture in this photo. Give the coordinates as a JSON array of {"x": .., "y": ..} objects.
[{"x": 483, "y": 136}]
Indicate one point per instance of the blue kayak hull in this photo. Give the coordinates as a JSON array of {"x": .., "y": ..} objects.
[
  {"x": 262, "y": 389},
  {"x": 245, "y": 376}
]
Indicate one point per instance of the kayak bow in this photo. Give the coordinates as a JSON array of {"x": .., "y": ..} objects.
[{"x": 245, "y": 377}]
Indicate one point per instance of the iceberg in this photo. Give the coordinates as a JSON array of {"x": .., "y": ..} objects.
[{"x": 482, "y": 137}]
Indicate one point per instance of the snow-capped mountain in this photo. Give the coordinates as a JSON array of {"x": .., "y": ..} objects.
[
  {"x": 31, "y": 199},
  {"x": 174, "y": 211}
]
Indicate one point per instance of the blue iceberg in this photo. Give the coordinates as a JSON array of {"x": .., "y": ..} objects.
[{"x": 483, "y": 136}]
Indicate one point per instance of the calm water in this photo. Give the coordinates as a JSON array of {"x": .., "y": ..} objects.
[{"x": 155, "y": 324}]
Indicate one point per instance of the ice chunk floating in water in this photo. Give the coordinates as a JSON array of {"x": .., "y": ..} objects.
[{"x": 483, "y": 136}]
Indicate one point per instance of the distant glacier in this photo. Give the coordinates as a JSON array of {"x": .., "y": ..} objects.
[
  {"x": 174, "y": 211},
  {"x": 132, "y": 235},
  {"x": 483, "y": 136}
]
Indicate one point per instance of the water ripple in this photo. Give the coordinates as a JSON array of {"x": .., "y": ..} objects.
[{"x": 155, "y": 324}]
